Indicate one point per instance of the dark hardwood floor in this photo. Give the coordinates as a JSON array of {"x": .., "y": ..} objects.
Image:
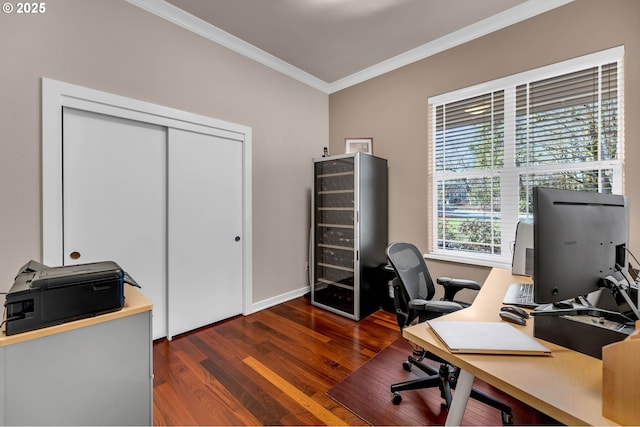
[{"x": 273, "y": 367}]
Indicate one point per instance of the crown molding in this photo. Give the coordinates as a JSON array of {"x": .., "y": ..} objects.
[
  {"x": 496, "y": 22},
  {"x": 198, "y": 26}
]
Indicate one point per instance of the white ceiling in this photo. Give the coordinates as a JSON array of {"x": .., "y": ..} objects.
[{"x": 333, "y": 44}]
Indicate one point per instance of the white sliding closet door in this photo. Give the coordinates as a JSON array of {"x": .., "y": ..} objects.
[
  {"x": 164, "y": 193},
  {"x": 204, "y": 229},
  {"x": 114, "y": 199}
]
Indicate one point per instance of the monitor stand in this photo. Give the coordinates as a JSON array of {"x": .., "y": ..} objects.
[
  {"x": 575, "y": 309},
  {"x": 578, "y": 325},
  {"x": 615, "y": 284},
  {"x": 581, "y": 307}
]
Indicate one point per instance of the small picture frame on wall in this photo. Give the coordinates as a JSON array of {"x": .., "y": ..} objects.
[{"x": 362, "y": 145}]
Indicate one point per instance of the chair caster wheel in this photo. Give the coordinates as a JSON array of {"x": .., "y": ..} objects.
[
  {"x": 406, "y": 366},
  {"x": 507, "y": 419},
  {"x": 396, "y": 399}
]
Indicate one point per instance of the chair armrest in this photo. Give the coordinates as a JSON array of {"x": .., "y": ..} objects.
[
  {"x": 434, "y": 306},
  {"x": 452, "y": 286}
]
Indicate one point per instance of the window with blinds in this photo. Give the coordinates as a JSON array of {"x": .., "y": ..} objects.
[{"x": 559, "y": 126}]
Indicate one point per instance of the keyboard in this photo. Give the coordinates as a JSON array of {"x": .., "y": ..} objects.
[{"x": 521, "y": 295}]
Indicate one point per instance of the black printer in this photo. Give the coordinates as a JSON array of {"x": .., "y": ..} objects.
[{"x": 43, "y": 296}]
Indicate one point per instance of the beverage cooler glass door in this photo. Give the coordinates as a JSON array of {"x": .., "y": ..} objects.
[{"x": 335, "y": 266}]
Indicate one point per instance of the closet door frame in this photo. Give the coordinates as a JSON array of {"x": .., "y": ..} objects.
[{"x": 57, "y": 94}]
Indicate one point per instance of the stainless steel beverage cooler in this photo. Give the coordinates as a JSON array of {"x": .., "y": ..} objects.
[{"x": 349, "y": 235}]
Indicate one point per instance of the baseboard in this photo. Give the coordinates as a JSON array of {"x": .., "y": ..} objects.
[{"x": 278, "y": 299}]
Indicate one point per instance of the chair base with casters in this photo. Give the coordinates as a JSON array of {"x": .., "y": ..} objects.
[
  {"x": 436, "y": 378},
  {"x": 445, "y": 379},
  {"x": 413, "y": 292}
]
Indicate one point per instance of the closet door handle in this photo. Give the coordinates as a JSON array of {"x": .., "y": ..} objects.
[{"x": 237, "y": 238}]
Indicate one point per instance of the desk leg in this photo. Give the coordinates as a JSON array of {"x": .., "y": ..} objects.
[{"x": 460, "y": 398}]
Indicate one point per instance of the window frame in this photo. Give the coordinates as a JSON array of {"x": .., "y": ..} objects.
[{"x": 510, "y": 173}]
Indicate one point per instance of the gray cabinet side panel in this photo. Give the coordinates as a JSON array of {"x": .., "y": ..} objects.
[
  {"x": 95, "y": 375},
  {"x": 373, "y": 211}
]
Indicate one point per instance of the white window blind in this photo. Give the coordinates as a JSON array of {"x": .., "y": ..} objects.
[{"x": 559, "y": 126}]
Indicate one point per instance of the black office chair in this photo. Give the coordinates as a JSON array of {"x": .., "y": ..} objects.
[{"x": 413, "y": 291}]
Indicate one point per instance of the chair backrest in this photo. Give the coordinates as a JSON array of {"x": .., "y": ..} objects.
[{"x": 413, "y": 279}]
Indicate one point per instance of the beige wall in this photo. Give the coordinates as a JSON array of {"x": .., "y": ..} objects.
[
  {"x": 116, "y": 47},
  {"x": 393, "y": 107}
]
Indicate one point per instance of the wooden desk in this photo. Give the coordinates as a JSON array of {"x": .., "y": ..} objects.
[
  {"x": 566, "y": 385},
  {"x": 93, "y": 371}
]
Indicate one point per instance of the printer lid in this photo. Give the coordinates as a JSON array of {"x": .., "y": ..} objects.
[
  {"x": 69, "y": 275},
  {"x": 34, "y": 276}
]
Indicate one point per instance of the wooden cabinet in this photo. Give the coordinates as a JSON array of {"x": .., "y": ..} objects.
[{"x": 349, "y": 236}]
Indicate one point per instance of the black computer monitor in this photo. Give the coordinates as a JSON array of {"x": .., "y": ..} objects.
[{"x": 579, "y": 237}]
